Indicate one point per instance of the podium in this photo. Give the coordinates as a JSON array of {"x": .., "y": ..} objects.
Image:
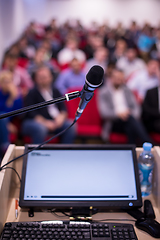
[{"x": 10, "y": 187}]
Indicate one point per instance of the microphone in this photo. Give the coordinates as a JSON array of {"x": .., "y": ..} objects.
[{"x": 94, "y": 79}]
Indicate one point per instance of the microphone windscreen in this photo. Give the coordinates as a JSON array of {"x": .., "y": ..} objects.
[{"x": 95, "y": 75}]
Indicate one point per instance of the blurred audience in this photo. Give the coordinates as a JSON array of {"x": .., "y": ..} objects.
[
  {"x": 21, "y": 78},
  {"x": 157, "y": 43},
  {"x": 39, "y": 60},
  {"x": 119, "y": 110},
  {"x": 155, "y": 50},
  {"x": 54, "y": 40},
  {"x": 10, "y": 100},
  {"x": 145, "y": 42},
  {"x": 94, "y": 41},
  {"x": 119, "y": 51},
  {"x": 100, "y": 57},
  {"x": 145, "y": 79},
  {"x": 110, "y": 41},
  {"x": 151, "y": 110},
  {"x": 130, "y": 63},
  {"x": 69, "y": 52},
  {"x": 132, "y": 34},
  {"x": 51, "y": 119},
  {"x": 26, "y": 50},
  {"x": 46, "y": 45},
  {"x": 72, "y": 78}
]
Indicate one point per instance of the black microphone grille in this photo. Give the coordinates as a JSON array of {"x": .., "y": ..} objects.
[{"x": 95, "y": 75}]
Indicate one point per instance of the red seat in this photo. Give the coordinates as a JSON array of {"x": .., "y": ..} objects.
[
  {"x": 118, "y": 138},
  {"x": 28, "y": 140},
  {"x": 90, "y": 123},
  {"x": 22, "y": 62},
  {"x": 155, "y": 137},
  {"x": 13, "y": 137}
]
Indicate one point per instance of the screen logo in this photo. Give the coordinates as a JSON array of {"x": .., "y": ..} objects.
[{"x": 40, "y": 154}]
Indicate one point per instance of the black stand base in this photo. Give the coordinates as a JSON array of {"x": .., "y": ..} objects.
[
  {"x": 81, "y": 213},
  {"x": 31, "y": 212}
]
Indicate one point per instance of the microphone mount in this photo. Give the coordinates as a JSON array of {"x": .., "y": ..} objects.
[{"x": 67, "y": 97}]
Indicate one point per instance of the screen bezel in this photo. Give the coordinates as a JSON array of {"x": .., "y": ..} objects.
[{"x": 101, "y": 205}]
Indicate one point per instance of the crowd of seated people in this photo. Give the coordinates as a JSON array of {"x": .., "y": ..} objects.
[{"x": 49, "y": 59}]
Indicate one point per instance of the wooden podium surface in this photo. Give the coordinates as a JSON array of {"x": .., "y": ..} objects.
[{"x": 10, "y": 186}]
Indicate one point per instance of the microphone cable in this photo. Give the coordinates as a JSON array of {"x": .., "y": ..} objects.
[{"x": 40, "y": 145}]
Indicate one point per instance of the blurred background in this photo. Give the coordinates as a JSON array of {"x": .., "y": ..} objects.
[
  {"x": 15, "y": 15},
  {"x": 47, "y": 48}
]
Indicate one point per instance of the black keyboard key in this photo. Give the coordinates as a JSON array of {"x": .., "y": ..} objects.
[
  {"x": 8, "y": 224},
  {"x": 107, "y": 234},
  {"x": 68, "y": 237},
  {"x": 5, "y": 235},
  {"x": 86, "y": 235}
]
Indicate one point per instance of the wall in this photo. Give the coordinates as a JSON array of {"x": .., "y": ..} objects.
[
  {"x": 99, "y": 10},
  {"x": 16, "y": 14}
]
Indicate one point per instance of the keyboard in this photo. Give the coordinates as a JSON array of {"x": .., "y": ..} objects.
[{"x": 60, "y": 230}]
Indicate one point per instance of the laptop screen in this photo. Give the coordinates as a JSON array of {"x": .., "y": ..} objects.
[{"x": 63, "y": 176}]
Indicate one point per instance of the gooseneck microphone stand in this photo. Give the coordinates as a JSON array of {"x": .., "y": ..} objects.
[
  {"x": 94, "y": 79},
  {"x": 68, "y": 97}
]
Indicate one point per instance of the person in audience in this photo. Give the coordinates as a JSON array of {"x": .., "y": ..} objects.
[
  {"x": 100, "y": 58},
  {"x": 119, "y": 51},
  {"x": 26, "y": 50},
  {"x": 29, "y": 32},
  {"x": 108, "y": 73},
  {"x": 155, "y": 50},
  {"x": 10, "y": 100},
  {"x": 145, "y": 42},
  {"x": 53, "y": 39},
  {"x": 150, "y": 110},
  {"x": 145, "y": 79},
  {"x": 120, "y": 30},
  {"x": 46, "y": 44},
  {"x": 51, "y": 119},
  {"x": 130, "y": 63},
  {"x": 40, "y": 60},
  {"x": 72, "y": 78},
  {"x": 119, "y": 110},
  {"x": 69, "y": 52},
  {"x": 110, "y": 41},
  {"x": 132, "y": 34},
  {"x": 93, "y": 42},
  {"x": 21, "y": 78},
  {"x": 12, "y": 50},
  {"x": 157, "y": 43}
]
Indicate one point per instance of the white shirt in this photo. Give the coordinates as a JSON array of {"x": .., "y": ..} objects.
[
  {"x": 141, "y": 82},
  {"x": 130, "y": 67},
  {"x": 66, "y": 55},
  {"x": 119, "y": 101},
  {"x": 52, "y": 109}
]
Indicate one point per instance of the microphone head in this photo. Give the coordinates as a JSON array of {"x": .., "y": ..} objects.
[{"x": 94, "y": 77}]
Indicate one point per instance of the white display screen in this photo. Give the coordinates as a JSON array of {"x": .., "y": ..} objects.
[{"x": 85, "y": 175}]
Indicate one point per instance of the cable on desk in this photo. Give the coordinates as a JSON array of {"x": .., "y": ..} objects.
[
  {"x": 40, "y": 145},
  {"x": 55, "y": 213}
]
